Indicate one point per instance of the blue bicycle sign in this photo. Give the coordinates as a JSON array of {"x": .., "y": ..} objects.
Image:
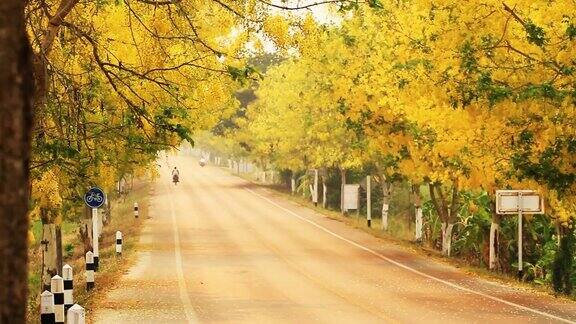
[{"x": 94, "y": 197}]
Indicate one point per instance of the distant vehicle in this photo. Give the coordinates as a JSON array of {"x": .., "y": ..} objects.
[
  {"x": 175, "y": 176},
  {"x": 202, "y": 162}
]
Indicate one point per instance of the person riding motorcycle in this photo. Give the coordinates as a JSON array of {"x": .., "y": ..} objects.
[{"x": 175, "y": 175}]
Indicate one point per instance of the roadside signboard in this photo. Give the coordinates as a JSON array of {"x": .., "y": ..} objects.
[
  {"x": 351, "y": 196},
  {"x": 94, "y": 197},
  {"x": 514, "y": 201},
  {"x": 519, "y": 202}
]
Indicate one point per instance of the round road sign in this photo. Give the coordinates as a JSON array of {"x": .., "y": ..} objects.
[{"x": 94, "y": 197}]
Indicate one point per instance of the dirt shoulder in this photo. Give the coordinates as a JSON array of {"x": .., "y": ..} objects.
[{"x": 110, "y": 266}]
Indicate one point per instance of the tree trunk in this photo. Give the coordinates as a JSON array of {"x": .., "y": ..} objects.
[
  {"x": 85, "y": 231},
  {"x": 108, "y": 209},
  {"x": 49, "y": 254},
  {"x": 315, "y": 194},
  {"x": 494, "y": 262},
  {"x": 311, "y": 187},
  {"x": 417, "y": 196},
  {"x": 386, "y": 193},
  {"x": 16, "y": 84},
  {"x": 447, "y": 238},
  {"x": 292, "y": 185},
  {"x": 446, "y": 211},
  {"x": 59, "y": 256},
  {"x": 343, "y": 182},
  {"x": 324, "y": 193}
]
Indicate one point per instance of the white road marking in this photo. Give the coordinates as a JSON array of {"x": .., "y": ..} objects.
[
  {"x": 403, "y": 266},
  {"x": 184, "y": 298}
]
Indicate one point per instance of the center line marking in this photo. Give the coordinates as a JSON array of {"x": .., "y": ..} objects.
[
  {"x": 184, "y": 298},
  {"x": 403, "y": 266}
]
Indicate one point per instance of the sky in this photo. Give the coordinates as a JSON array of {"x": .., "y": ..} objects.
[{"x": 323, "y": 13}]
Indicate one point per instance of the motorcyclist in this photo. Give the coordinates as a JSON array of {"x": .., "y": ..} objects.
[{"x": 175, "y": 175}]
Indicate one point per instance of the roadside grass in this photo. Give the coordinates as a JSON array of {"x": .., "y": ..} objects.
[
  {"x": 400, "y": 234},
  {"x": 110, "y": 266}
]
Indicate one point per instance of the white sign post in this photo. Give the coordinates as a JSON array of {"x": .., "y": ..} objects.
[
  {"x": 95, "y": 198},
  {"x": 368, "y": 202},
  {"x": 95, "y": 236},
  {"x": 315, "y": 194},
  {"x": 519, "y": 202}
]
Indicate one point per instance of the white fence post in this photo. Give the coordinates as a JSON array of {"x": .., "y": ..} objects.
[
  {"x": 47, "y": 315},
  {"x": 89, "y": 270},
  {"x": 76, "y": 315},
  {"x": 68, "y": 277},
  {"x": 118, "y": 243},
  {"x": 136, "y": 213},
  {"x": 57, "y": 289}
]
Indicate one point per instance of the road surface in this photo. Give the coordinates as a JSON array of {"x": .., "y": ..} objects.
[{"x": 220, "y": 250}]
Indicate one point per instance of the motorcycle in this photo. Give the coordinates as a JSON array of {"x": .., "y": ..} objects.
[
  {"x": 175, "y": 179},
  {"x": 202, "y": 162}
]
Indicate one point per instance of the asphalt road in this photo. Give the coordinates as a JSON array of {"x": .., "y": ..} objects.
[{"x": 220, "y": 250}]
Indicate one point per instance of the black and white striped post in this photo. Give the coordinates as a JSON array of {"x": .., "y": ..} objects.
[
  {"x": 68, "y": 277},
  {"x": 136, "y": 210},
  {"x": 89, "y": 270},
  {"x": 57, "y": 289},
  {"x": 76, "y": 315},
  {"x": 47, "y": 315},
  {"x": 118, "y": 243}
]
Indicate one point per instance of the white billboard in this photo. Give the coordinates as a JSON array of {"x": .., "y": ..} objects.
[
  {"x": 351, "y": 192},
  {"x": 513, "y": 201}
]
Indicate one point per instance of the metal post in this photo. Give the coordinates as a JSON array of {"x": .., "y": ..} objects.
[
  {"x": 520, "y": 208},
  {"x": 368, "y": 202},
  {"x": 95, "y": 236}
]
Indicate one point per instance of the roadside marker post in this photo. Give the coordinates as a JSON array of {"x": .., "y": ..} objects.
[
  {"x": 57, "y": 289},
  {"x": 136, "y": 213},
  {"x": 118, "y": 243},
  {"x": 89, "y": 270},
  {"x": 76, "y": 315},
  {"x": 47, "y": 315},
  {"x": 68, "y": 277}
]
